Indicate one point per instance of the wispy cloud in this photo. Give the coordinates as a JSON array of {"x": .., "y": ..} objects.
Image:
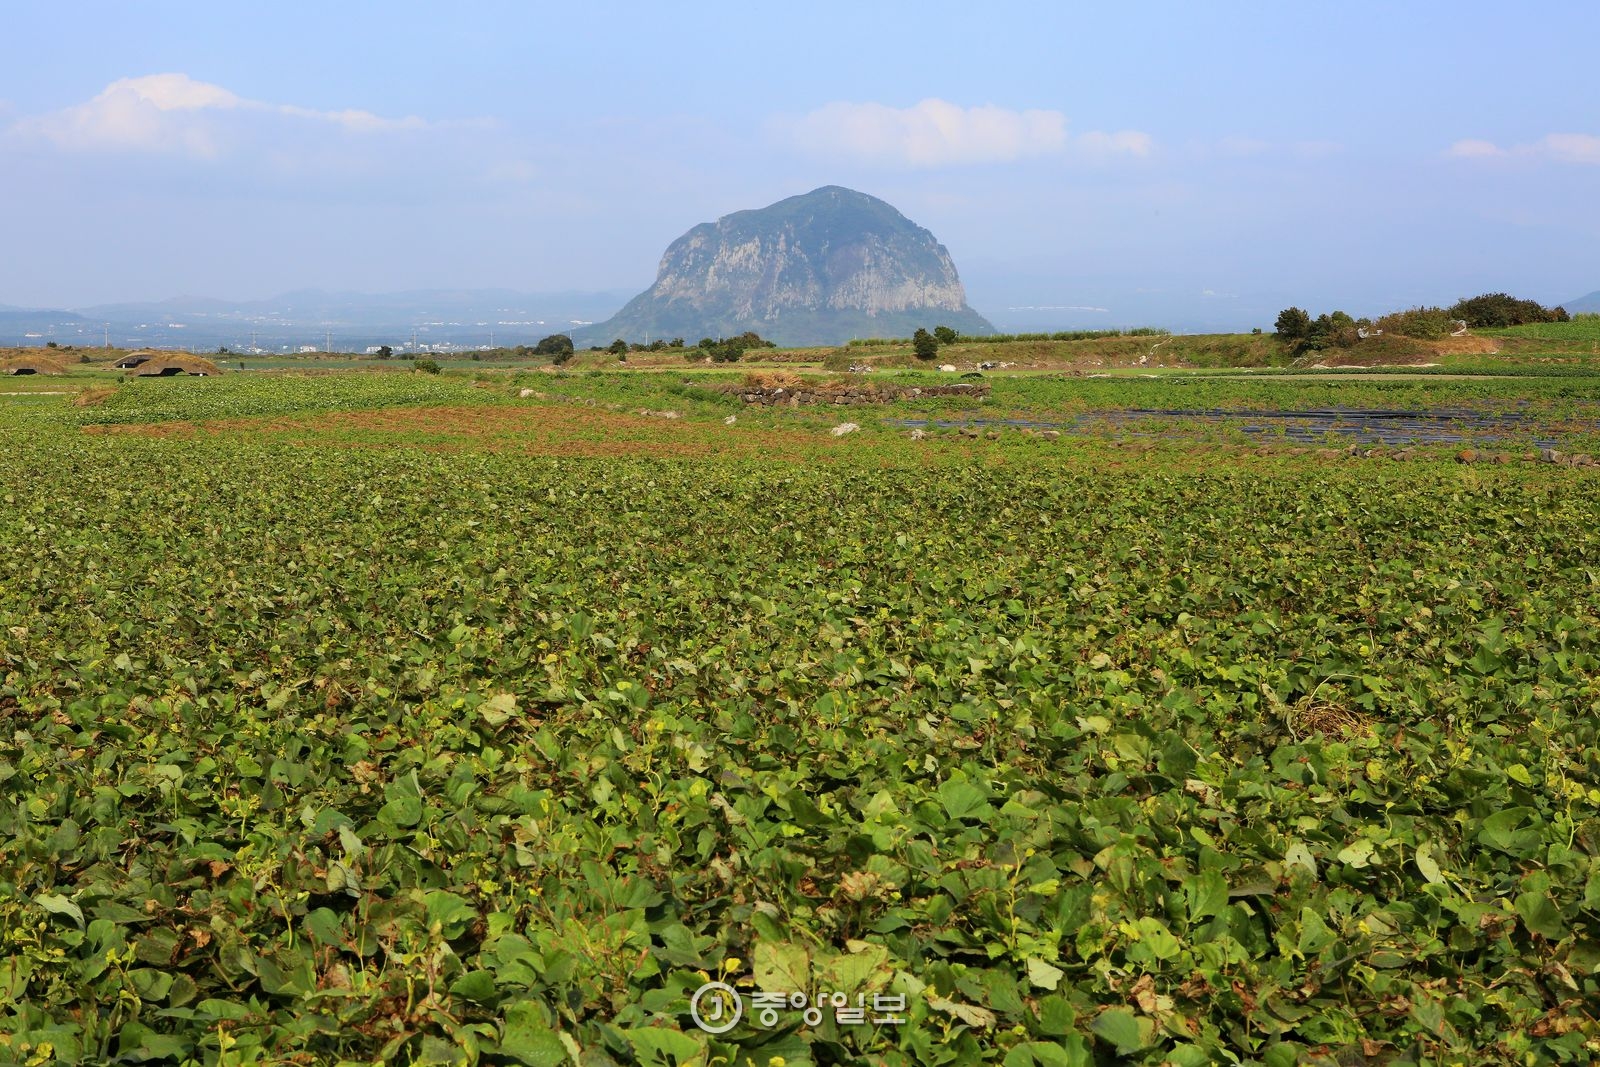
[
  {"x": 1572, "y": 147},
  {"x": 1556, "y": 147},
  {"x": 1317, "y": 149},
  {"x": 936, "y": 133},
  {"x": 1243, "y": 146},
  {"x": 1058, "y": 307},
  {"x": 174, "y": 113},
  {"x": 1476, "y": 149},
  {"x": 1123, "y": 142},
  {"x": 514, "y": 171}
]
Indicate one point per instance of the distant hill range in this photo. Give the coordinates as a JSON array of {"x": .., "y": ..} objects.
[
  {"x": 435, "y": 318},
  {"x": 1584, "y": 304},
  {"x": 820, "y": 268}
]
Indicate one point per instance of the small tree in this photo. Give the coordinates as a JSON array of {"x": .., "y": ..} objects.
[
  {"x": 385, "y": 352},
  {"x": 427, "y": 366},
  {"x": 945, "y": 335},
  {"x": 557, "y": 345},
  {"x": 925, "y": 344},
  {"x": 1293, "y": 325},
  {"x": 619, "y": 347}
]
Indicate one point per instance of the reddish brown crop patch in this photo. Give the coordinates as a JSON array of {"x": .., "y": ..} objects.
[{"x": 546, "y": 430}]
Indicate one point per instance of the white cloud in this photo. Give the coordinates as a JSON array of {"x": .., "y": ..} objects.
[
  {"x": 1556, "y": 147},
  {"x": 935, "y": 133},
  {"x": 1242, "y": 146},
  {"x": 175, "y": 113},
  {"x": 1572, "y": 147},
  {"x": 1123, "y": 142},
  {"x": 515, "y": 171},
  {"x": 1317, "y": 149},
  {"x": 1475, "y": 149}
]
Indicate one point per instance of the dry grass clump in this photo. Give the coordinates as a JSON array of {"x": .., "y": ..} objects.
[
  {"x": 31, "y": 365},
  {"x": 1314, "y": 713},
  {"x": 1325, "y": 717},
  {"x": 92, "y": 397},
  {"x": 89, "y": 398},
  {"x": 772, "y": 379}
]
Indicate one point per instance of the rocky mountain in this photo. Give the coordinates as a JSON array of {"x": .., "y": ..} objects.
[{"x": 815, "y": 269}]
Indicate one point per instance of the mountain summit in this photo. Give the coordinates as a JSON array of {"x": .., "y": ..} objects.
[{"x": 815, "y": 269}]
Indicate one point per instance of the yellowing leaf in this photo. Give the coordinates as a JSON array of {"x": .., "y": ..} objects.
[
  {"x": 781, "y": 967},
  {"x": 1358, "y": 853},
  {"x": 498, "y": 709},
  {"x": 1428, "y": 865}
]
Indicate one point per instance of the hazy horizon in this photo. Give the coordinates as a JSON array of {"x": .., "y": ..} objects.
[{"x": 1117, "y": 167}]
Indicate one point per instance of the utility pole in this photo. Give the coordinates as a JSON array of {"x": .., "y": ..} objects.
[
  {"x": 327, "y": 341},
  {"x": 108, "y": 334}
]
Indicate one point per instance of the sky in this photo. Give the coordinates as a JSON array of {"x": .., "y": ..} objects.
[{"x": 1117, "y": 164}]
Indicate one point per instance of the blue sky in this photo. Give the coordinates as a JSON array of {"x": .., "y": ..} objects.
[{"x": 1202, "y": 163}]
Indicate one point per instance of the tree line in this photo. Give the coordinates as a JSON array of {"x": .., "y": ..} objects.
[{"x": 1296, "y": 327}]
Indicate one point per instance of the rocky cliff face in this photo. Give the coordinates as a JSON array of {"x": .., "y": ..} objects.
[{"x": 814, "y": 269}]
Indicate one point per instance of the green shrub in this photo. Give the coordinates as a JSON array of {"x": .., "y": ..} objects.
[
  {"x": 1494, "y": 310},
  {"x": 1425, "y": 324}
]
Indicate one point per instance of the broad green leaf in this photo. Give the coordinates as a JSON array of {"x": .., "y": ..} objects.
[
  {"x": 1043, "y": 975},
  {"x": 1540, "y": 915},
  {"x": 498, "y": 709},
  {"x": 528, "y": 1039},
  {"x": 963, "y": 800},
  {"x": 1125, "y": 1032},
  {"x": 57, "y": 904},
  {"x": 1358, "y": 853},
  {"x": 1206, "y": 894},
  {"x": 971, "y": 1014},
  {"x": 1298, "y": 855},
  {"x": 781, "y": 967},
  {"x": 1428, "y": 865},
  {"x": 660, "y": 1047}
]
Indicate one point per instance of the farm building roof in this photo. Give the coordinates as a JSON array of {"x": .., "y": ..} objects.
[
  {"x": 31, "y": 365},
  {"x": 174, "y": 365}
]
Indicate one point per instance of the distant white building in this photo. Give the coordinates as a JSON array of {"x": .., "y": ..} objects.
[{"x": 307, "y": 348}]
